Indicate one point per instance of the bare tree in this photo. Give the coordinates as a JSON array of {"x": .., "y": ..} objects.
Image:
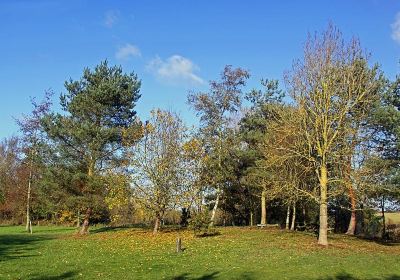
[{"x": 34, "y": 139}]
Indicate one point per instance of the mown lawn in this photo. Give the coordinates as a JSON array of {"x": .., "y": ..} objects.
[{"x": 237, "y": 253}]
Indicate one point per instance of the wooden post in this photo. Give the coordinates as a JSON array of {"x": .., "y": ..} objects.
[{"x": 179, "y": 245}]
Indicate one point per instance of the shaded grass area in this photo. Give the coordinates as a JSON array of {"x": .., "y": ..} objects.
[{"x": 237, "y": 253}]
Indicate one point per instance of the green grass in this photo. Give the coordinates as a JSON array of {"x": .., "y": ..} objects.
[{"x": 238, "y": 253}]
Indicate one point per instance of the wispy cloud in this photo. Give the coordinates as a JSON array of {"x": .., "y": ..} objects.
[
  {"x": 175, "y": 69},
  {"x": 111, "y": 17},
  {"x": 396, "y": 28},
  {"x": 127, "y": 51}
]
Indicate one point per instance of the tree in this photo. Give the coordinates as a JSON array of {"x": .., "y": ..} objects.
[
  {"x": 156, "y": 164},
  {"x": 35, "y": 144},
  {"x": 13, "y": 175},
  {"x": 214, "y": 108},
  {"x": 98, "y": 108},
  {"x": 331, "y": 81},
  {"x": 253, "y": 128},
  {"x": 288, "y": 178},
  {"x": 193, "y": 161}
]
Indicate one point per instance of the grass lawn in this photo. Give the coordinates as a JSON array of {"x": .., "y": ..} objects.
[{"x": 238, "y": 253}]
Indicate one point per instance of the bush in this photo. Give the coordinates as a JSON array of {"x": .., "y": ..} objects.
[
  {"x": 200, "y": 224},
  {"x": 373, "y": 227}
]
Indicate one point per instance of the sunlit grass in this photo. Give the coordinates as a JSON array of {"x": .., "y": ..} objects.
[{"x": 237, "y": 253}]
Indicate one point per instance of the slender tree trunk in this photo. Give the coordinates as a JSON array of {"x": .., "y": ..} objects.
[
  {"x": 383, "y": 217},
  {"x": 251, "y": 218},
  {"x": 157, "y": 224},
  {"x": 293, "y": 217},
  {"x": 85, "y": 225},
  {"x": 215, "y": 207},
  {"x": 86, "y": 221},
  {"x": 352, "y": 224},
  {"x": 323, "y": 207},
  {"x": 28, "y": 203},
  {"x": 263, "y": 208},
  {"x": 287, "y": 217},
  {"x": 78, "y": 222}
]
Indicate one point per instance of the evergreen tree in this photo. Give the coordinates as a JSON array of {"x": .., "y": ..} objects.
[{"x": 98, "y": 109}]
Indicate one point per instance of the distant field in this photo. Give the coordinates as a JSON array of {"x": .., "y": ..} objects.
[
  {"x": 237, "y": 253},
  {"x": 392, "y": 218}
]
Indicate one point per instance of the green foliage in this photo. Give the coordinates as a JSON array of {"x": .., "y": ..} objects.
[
  {"x": 98, "y": 110},
  {"x": 200, "y": 224},
  {"x": 373, "y": 225}
]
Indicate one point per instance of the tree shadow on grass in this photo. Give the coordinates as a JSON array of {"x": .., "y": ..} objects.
[
  {"x": 15, "y": 246},
  {"x": 117, "y": 228},
  {"x": 347, "y": 276},
  {"x": 390, "y": 243},
  {"x": 65, "y": 275},
  {"x": 212, "y": 276},
  {"x": 186, "y": 276}
]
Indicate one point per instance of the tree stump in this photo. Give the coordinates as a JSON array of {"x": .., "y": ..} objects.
[{"x": 179, "y": 245}]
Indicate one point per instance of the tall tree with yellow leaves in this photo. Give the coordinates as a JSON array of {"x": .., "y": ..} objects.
[{"x": 331, "y": 81}]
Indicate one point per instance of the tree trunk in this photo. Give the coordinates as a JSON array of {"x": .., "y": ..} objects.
[
  {"x": 323, "y": 207},
  {"x": 287, "y": 217},
  {"x": 383, "y": 218},
  {"x": 304, "y": 216},
  {"x": 352, "y": 224},
  {"x": 28, "y": 203},
  {"x": 263, "y": 208},
  {"x": 215, "y": 207},
  {"x": 78, "y": 222},
  {"x": 85, "y": 225},
  {"x": 157, "y": 224},
  {"x": 293, "y": 217},
  {"x": 251, "y": 218}
]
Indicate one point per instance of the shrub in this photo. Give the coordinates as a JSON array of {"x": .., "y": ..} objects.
[{"x": 200, "y": 224}]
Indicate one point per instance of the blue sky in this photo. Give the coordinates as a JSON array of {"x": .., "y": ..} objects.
[{"x": 173, "y": 46}]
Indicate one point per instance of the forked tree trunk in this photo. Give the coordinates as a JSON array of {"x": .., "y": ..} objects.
[
  {"x": 85, "y": 224},
  {"x": 28, "y": 203},
  {"x": 293, "y": 217},
  {"x": 263, "y": 208},
  {"x": 214, "y": 211},
  {"x": 323, "y": 207},
  {"x": 287, "y": 217}
]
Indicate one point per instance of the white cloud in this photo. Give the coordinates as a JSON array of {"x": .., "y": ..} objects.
[
  {"x": 111, "y": 18},
  {"x": 127, "y": 51},
  {"x": 175, "y": 69},
  {"x": 396, "y": 28}
]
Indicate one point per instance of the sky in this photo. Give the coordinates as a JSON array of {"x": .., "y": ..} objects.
[{"x": 173, "y": 46}]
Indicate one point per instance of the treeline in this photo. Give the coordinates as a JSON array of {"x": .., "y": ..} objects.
[{"x": 321, "y": 153}]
